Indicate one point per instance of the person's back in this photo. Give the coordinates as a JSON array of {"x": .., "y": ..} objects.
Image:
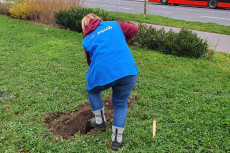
[{"x": 110, "y": 55}]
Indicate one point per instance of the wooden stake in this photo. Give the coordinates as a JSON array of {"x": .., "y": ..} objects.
[{"x": 154, "y": 127}]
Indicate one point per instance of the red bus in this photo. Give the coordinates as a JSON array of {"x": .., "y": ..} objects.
[{"x": 210, "y": 3}]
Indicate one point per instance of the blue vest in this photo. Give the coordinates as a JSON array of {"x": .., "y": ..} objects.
[{"x": 110, "y": 55}]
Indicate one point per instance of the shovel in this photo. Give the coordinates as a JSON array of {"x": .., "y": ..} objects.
[{"x": 88, "y": 126}]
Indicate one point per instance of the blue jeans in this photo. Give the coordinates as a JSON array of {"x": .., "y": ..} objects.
[{"x": 121, "y": 92}]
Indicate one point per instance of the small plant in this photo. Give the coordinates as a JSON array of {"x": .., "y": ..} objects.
[
  {"x": 189, "y": 44},
  {"x": 4, "y": 8},
  {"x": 70, "y": 19},
  {"x": 140, "y": 38},
  {"x": 208, "y": 55}
]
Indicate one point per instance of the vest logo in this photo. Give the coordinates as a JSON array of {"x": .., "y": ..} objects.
[
  {"x": 106, "y": 29},
  {"x": 92, "y": 36}
]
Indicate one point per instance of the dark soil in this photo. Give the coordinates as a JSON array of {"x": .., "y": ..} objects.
[{"x": 67, "y": 125}]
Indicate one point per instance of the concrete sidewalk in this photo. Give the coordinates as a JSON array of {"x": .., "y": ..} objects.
[{"x": 217, "y": 42}]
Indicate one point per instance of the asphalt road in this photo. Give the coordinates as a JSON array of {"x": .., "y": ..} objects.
[{"x": 183, "y": 12}]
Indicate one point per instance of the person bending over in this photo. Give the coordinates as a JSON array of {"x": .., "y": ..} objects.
[{"x": 111, "y": 65}]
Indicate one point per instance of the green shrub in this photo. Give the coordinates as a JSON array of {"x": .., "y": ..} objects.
[
  {"x": 71, "y": 19},
  {"x": 168, "y": 43},
  {"x": 140, "y": 38},
  {"x": 185, "y": 43},
  {"x": 189, "y": 44},
  {"x": 149, "y": 37}
]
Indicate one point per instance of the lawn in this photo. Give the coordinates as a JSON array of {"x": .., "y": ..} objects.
[{"x": 42, "y": 70}]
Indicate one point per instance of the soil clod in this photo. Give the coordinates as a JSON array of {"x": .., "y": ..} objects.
[{"x": 66, "y": 125}]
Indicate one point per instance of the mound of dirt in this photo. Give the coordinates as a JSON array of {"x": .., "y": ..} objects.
[{"x": 66, "y": 125}]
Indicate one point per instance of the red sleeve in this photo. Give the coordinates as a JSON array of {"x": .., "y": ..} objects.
[
  {"x": 87, "y": 57},
  {"x": 129, "y": 30}
]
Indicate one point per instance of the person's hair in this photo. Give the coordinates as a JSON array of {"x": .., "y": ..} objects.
[{"x": 85, "y": 21}]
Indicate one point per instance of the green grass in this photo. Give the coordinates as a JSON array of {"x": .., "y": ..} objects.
[
  {"x": 45, "y": 70},
  {"x": 160, "y": 20}
]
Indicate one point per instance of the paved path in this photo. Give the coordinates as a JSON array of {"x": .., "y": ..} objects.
[{"x": 217, "y": 42}]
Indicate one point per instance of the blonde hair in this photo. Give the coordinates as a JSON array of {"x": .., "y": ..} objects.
[{"x": 85, "y": 21}]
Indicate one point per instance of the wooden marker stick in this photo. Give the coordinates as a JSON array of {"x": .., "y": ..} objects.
[{"x": 154, "y": 127}]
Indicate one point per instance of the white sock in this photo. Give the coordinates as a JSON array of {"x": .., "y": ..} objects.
[
  {"x": 117, "y": 134},
  {"x": 98, "y": 115}
]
